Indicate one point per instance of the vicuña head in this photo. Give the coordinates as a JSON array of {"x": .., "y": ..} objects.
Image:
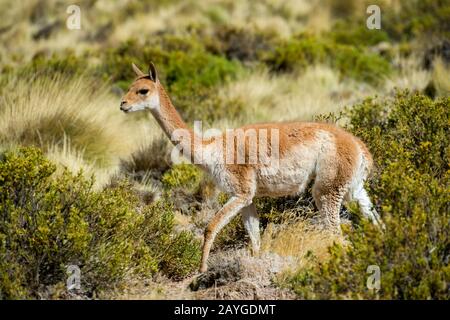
[{"x": 143, "y": 93}]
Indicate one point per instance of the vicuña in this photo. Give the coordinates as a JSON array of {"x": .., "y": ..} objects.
[{"x": 334, "y": 159}]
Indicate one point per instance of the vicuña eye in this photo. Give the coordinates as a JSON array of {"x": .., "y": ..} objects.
[{"x": 143, "y": 91}]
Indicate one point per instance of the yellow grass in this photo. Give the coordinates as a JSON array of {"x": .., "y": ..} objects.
[
  {"x": 318, "y": 90},
  {"x": 410, "y": 75},
  {"x": 441, "y": 77},
  {"x": 69, "y": 158},
  {"x": 298, "y": 239}
]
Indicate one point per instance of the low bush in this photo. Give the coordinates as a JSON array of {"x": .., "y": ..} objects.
[
  {"x": 67, "y": 63},
  {"x": 183, "y": 186},
  {"x": 426, "y": 19},
  {"x": 183, "y": 175},
  {"x": 409, "y": 139},
  {"x": 134, "y": 8},
  {"x": 356, "y": 34},
  {"x": 50, "y": 222},
  {"x": 178, "y": 254},
  {"x": 296, "y": 53},
  {"x": 401, "y": 21},
  {"x": 353, "y": 62}
]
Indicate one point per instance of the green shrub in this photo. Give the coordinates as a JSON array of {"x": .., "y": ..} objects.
[
  {"x": 135, "y": 8},
  {"x": 356, "y": 34},
  {"x": 296, "y": 53},
  {"x": 409, "y": 138},
  {"x": 353, "y": 63},
  {"x": 344, "y": 8},
  {"x": 197, "y": 68},
  {"x": 401, "y": 20},
  {"x": 49, "y": 222},
  {"x": 184, "y": 185},
  {"x": 181, "y": 255},
  {"x": 118, "y": 60},
  {"x": 178, "y": 254},
  {"x": 350, "y": 61},
  {"x": 67, "y": 63},
  {"x": 45, "y": 64},
  {"x": 183, "y": 175},
  {"x": 425, "y": 19}
]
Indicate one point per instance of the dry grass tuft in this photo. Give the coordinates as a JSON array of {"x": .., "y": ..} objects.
[
  {"x": 411, "y": 75},
  {"x": 317, "y": 90},
  {"x": 298, "y": 239},
  {"x": 66, "y": 157},
  {"x": 48, "y": 111},
  {"x": 441, "y": 77}
]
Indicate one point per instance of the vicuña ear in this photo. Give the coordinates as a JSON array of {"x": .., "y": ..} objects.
[
  {"x": 152, "y": 73},
  {"x": 136, "y": 70}
]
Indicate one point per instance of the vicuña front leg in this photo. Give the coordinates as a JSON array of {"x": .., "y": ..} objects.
[{"x": 221, "y": 219}]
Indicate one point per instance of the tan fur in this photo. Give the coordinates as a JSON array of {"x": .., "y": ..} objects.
[{"x": 338, "y": 162}]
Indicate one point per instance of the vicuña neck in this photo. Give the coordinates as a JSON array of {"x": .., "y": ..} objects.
[{"x": 173, "y": 125}]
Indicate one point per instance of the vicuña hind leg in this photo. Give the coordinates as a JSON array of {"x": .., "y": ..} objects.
[
  {"x": 361, "y": 196},
  {"x": 251, "y": 223},
  {"x": 329, "y": 205}
]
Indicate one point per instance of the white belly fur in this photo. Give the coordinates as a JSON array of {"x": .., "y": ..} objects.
[{"x": 295, "y": 169}]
